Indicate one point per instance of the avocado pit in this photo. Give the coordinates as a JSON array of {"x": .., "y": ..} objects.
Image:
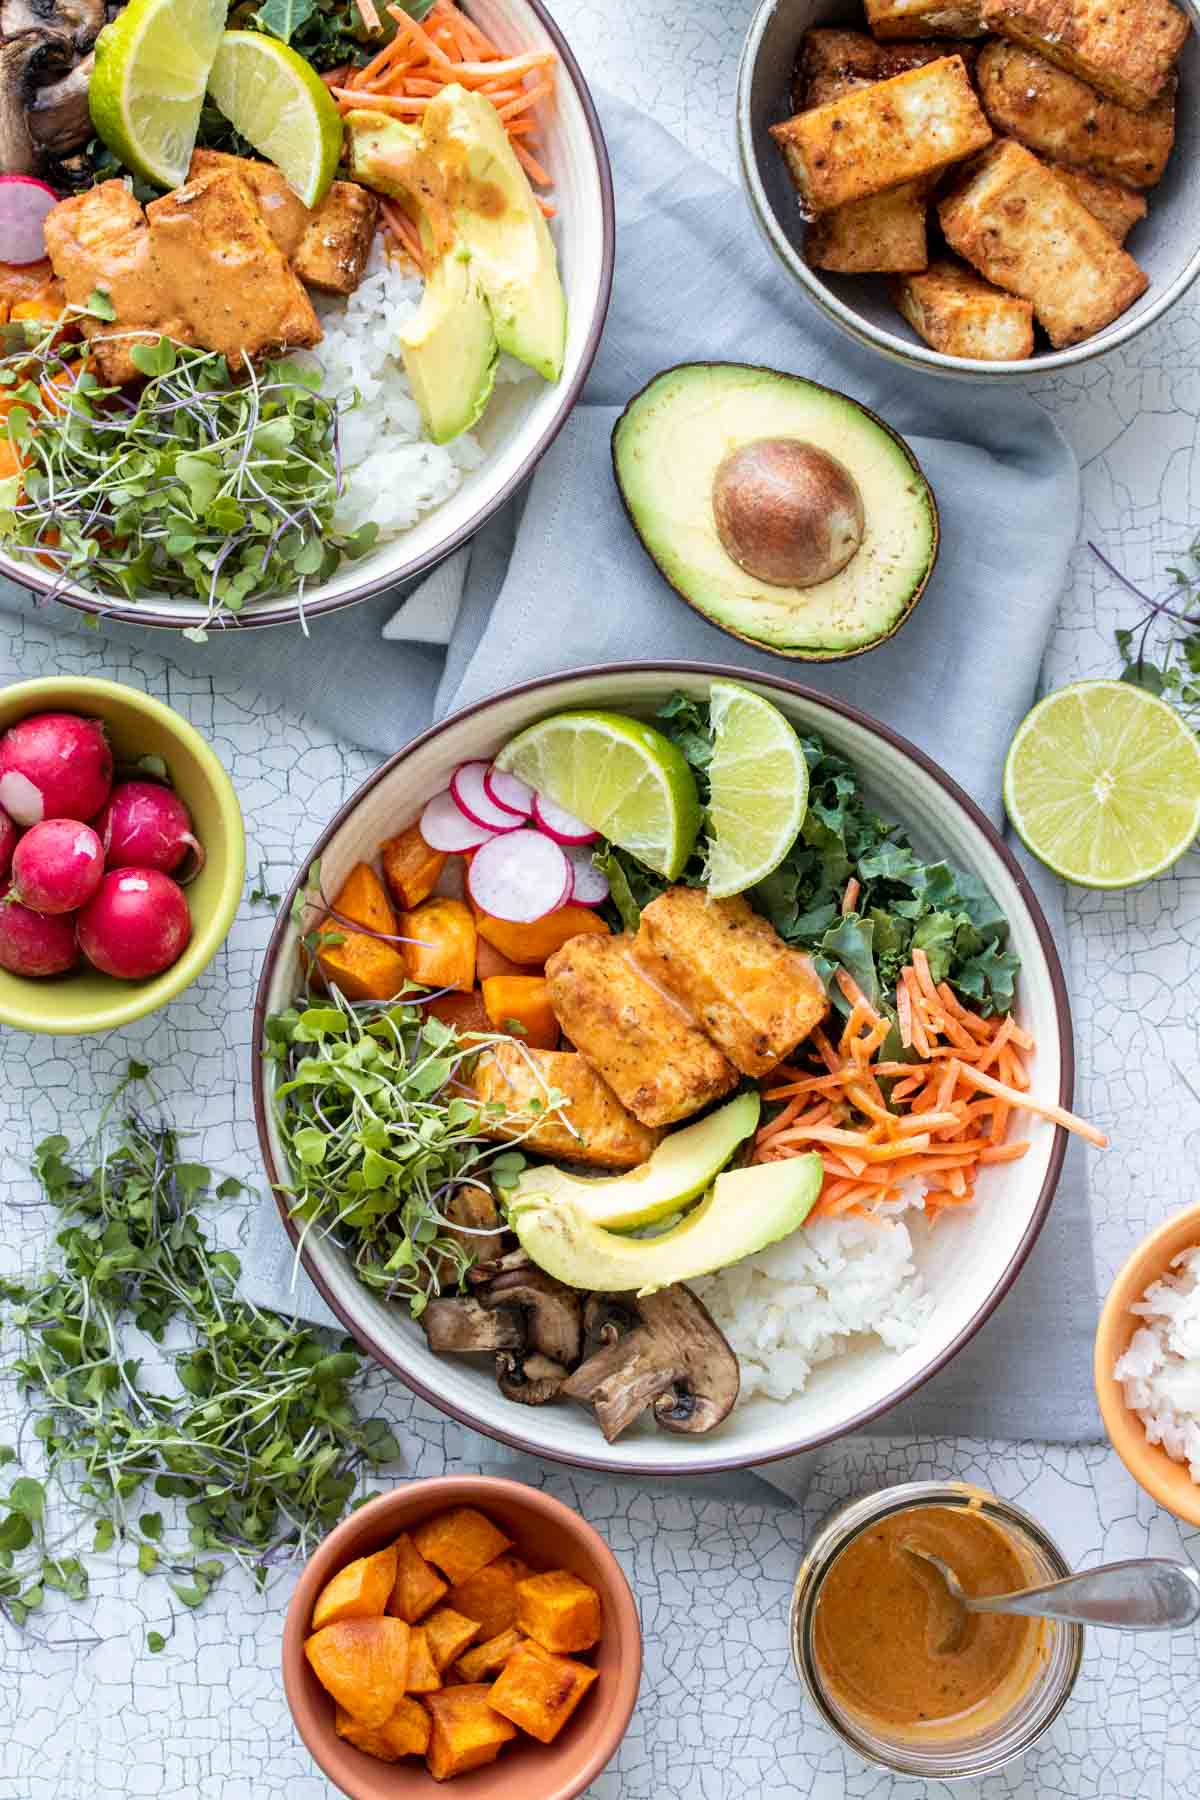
[{"x": 787, "y": 512}]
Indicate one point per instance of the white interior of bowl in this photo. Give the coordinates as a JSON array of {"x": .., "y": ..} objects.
[
  {"x": 1166, "y": 243},
  {"x": 521, "y": 417},
  {"x": 965, "y": 1261}
]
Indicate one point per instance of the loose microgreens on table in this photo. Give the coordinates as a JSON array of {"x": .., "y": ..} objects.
[
  {"x": 258, "y": 1439},
  {"x": 1174, "y": 625}
]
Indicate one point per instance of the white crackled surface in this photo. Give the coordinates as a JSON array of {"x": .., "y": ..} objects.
[{"x": 720, "y": 1715}]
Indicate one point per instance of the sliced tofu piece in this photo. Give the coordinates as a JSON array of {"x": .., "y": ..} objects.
[
  {"x": 832, "y": 63},
  {"x": 925, "y": 18},
  {"x": 326, "y": 245},
  {"x": 591, "y": 1127},
  {"x": 884, "y": 234},
  {"x": 741, "y": 983},
  {"x": 1126, "y": 48},
  {"x": 224, "y": 272},
  {"x": 1020, "y": 225},
  {"x": 1066, "y": 120},
  {"x": 959, "y": 313},
  {"x": 638, "y": 1039},
  {"x": 882, "y": 136},
  {"x": 100, "y": 240},
  {"x": 1117, "y": 207}
]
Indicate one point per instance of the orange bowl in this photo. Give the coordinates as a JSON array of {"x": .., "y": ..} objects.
[
  {"x": 1164, "y": 1480},
  {"x": 548, "y": 1535}
]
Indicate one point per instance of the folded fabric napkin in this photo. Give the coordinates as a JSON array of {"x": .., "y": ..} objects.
[{"x": 567, "y": 584}]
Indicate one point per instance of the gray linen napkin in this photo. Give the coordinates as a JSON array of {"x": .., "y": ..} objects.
[{"x": 565, "y": 584}]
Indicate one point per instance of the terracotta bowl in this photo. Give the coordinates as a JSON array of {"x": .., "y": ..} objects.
[
  {"x": 1166, "y": 1481},
  {"x": 548, "y": 1535}
]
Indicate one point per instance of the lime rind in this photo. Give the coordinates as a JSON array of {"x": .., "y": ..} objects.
[
  {"x": 280, "y": 105},
  {"x": 149, "y": 81},
  {"x": 758, "y": 789}
]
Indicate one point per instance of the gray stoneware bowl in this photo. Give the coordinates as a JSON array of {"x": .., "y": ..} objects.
[{"x": 1166, "y": 243}]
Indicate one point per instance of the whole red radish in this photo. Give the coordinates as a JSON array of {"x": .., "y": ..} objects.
[
  {"x": 137, "y": 925},
  {"x": 8, "y": 837},
  {"x": 54, "y": 766},
  {"x": 144, "y": 825},
  {"x": 34, "y": 943},
  {"x": 57, "y": 866}
]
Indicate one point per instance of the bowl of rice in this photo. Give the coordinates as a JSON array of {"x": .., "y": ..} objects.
[{"x": 1147, "y": 1365}]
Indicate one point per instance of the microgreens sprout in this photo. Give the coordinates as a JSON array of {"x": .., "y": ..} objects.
[{"x": 1176, "y": 629}]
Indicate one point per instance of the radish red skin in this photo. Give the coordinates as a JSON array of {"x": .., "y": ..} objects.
[
  {"x": 57, "y": 866},
  {"x": 136, "y": 926},
  {"x": 9, "y": 834},
  {"x": 35, "y": 944},
  {"x": 144, "y": 825},
  {"x": 54, "y": 766}
]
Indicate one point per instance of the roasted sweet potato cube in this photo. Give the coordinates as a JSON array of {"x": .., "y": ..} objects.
[
  {"x": 441, "y": 948},
  {"x": 359, "y": 1591},
  {"x": 561, "y": 1612},
  {"x": 363, "y": 1663},
  {"x": 491, "y": 1595},
  {"x": 520, "y": 1005},
  {"x": 404, "y": 1733},
  {"x": 422, "y": 1677},
  {"x": 410, "y": 868},
  {"x": 486, "y": 1660},
  {"x": 448, "y": 1634},
  {"x": 417, "y": 1586},
  {"x": 539, "y": 1692},
  {"x": 365, "y": 968},
  {"x": 460, "y": 1542},
  {"x": 466, "y": 1732}
]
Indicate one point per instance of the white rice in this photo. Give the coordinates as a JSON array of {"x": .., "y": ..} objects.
[
  {"x": 827, "y": 1287},
  {"x": 1160, "y": 1371}
]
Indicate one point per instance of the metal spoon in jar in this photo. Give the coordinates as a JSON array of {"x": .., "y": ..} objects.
[{"x": 1146, "y": 1593}]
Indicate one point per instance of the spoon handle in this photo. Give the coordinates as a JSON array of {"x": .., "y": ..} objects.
[{"x": 1143, "y": 1594}]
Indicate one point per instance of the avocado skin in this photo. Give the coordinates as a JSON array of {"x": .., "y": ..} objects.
[{"x": 805, "y": 652}]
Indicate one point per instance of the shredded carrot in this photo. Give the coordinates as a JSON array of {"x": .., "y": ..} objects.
[{"x": 850, "y": 897}]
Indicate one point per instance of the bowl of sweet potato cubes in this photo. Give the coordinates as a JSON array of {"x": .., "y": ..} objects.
[
  {"x": 978, "y": 187},
  {"x": 462, "y": 1629}
]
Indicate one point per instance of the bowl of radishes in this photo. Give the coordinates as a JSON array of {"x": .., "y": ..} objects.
[{"x": 122, "y": 855}]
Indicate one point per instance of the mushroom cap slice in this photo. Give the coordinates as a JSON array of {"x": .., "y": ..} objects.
[
  {"x": 530, "y": 1380},
  {"x": 458, "y": 1325},
  {"x": 675, "y": 1359},
  {"x": 554, "y": 1312}
]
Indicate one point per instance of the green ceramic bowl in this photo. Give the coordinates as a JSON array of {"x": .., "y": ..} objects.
[{"x": 137, "y": 726}]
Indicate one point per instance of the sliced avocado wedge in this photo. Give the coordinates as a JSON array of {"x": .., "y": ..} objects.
[
  {"x": 682, "y": 1166},
  {"x": 674, "y": 437},
  {"x": 747, "y": 1210}
]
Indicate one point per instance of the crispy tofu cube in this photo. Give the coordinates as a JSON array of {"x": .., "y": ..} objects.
[
  {"x": 491, "y": 1595},
  {"x": 1117, "y": 207},
  {"x": 448, "y": 1634},
  {"x": 512, "y": 1083},
  {"x": 466, "y": 1732},
  {"x": 832, "y": 63},
  {"x": 882, "y": 136},
  {"x": 460, "y": 1542},
  {"x": 559, "y": 1611},
  {"x": 423, "y": 1676},
  {"x": 359, "y": 1591},
  {"x": 925, "y": 18},
  {"x": 486, "y": 1660},
  {"x": 404, "y": 1733},
  {"x": 417, "y": 1586},
  {"x": 881, "y": 235},
  {"x": 960, "y": 314},
  {"x": 327, "y": 245},
  {"x": 363, "y": 1663},
  {"x": 1067, "y": 121},
  {"x": 410, "y": 868},
  {"x": 539, "y": 1692},
  {"x": 1016, "y": 222},
  {"x": 1126, "y": 48}
]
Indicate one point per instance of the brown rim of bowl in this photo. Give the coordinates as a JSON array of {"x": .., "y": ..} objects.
[
  {"x": 1062, "y": 1007},
  {"x": 812, "y": 656},
  {"x": 41, "y": 586}
]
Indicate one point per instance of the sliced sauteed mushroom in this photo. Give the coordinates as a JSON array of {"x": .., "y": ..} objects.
[
  {"x": 45, "y": 67},
  {"x": 531, "y": 1380},
  {"x": 553, "y": 1313},
  {"x": 474, "y": 1226},
  {"x": 20, "y": 60},
  {"x": 459, "y": 1325},
  {"x": 58, "y": 115},
  {"x": 674, "y": 1358}
]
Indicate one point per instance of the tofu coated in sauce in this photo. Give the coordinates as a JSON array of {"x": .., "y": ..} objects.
[
  {"x": 756, "y": 998},
  {"x": 593, "y": 1127},
  {"x": 327, "y": 245},
  {"x": 637, "y": 1038}
]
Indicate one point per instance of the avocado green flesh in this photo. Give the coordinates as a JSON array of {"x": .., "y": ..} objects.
[
  {"x": 667, "y": 447},
  {"x": 746, "y": 1210},
  {"x": 681, "y": 1167}
]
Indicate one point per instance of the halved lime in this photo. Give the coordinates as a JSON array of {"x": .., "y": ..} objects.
[
  {"x": 280, "y": 105},
  {"x": 759, "y": 789},
  {"x": 1102, "y": 783},
  {"x": 148, "y": 83},
  {"x": 619, "y": 776}
]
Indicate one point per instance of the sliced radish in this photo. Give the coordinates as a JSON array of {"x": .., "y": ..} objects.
[
  {"x": 591, "y": 887},
  {"x": 445, "y": 826},
  {"x": 508, "y": 792},
  {"x": 470, "y": 793},
  {"x": 24, "y": 204},
  {"x": 521, "y": 876},
  {"x": 561, "y": 825}
]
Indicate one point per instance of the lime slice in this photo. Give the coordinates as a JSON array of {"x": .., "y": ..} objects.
[
  {"x": 280, "y": 105},
  {"x": 621, "y": 777},
  {"x": 148, "y": 83},
  {"x": 759, "y": 791},
  {"x": 1102, "y": 783}
]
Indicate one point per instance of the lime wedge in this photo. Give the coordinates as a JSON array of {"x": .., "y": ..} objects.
[
  {"x": 280, "y": 105},
  {"x": 621, "y": 777},
  {"x": 148, "y": 83},
  {"x": 1102, "y": 783},
  {"x": 759, "y": 791}
]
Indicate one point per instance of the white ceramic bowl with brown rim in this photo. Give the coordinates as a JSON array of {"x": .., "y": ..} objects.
[{"x": 969, "y": 1262}]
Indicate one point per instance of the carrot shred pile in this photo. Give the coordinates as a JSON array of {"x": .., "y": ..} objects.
[
  {"x": 946, "y": 1117},
  {"x": 420, "y": 61}
]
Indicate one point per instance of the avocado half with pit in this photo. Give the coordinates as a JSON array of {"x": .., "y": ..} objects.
[{"x": 783, "y": 511}]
